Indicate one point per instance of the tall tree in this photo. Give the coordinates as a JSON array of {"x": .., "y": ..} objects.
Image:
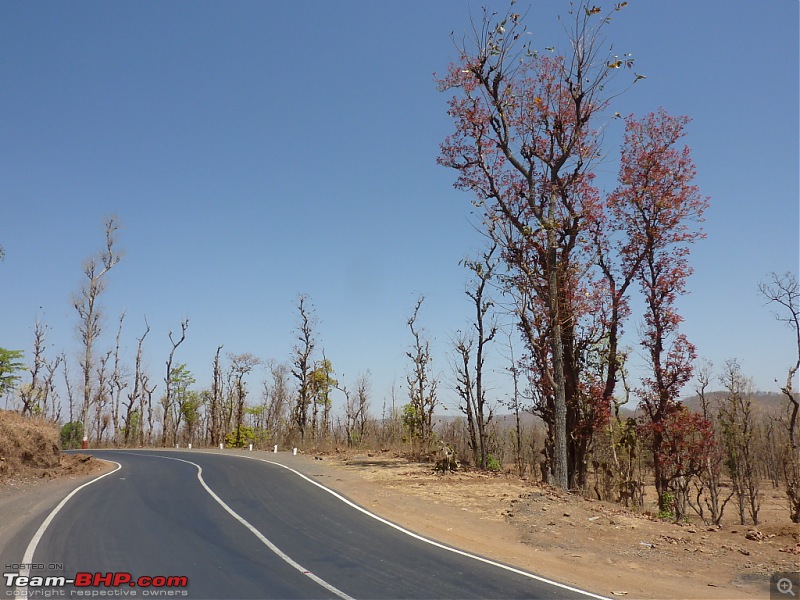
[
  {"x": 34, "y": 393},
  {"x": 215, "y": 424},
  {"x": 277, "y": 397},
  {"x": 737, "y": 421},
  {"x": 241, "y": 365},
  {"x": 134, "y": 409},
  {"x": 118, "y": 382},
  {"x": 422, "y": 384},
  {"x": 526, "y": 138},
  {"x": 659, "y": 210},
  {"x": 167, "y": 435},
  {"x": 470, "y": 383},
  {"x": 302, "y": 362},
  {"x": 784, "y": 291},
  {"x": 321, "y": 383},
  {"x": 86, "y": 303},
  {"x": 183, "y": 402}
]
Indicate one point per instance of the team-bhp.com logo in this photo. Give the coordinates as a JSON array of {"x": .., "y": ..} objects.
[{"x": 91, "y": 584}]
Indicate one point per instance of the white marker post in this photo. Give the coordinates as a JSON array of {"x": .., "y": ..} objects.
[
  {"x": 294, "y": 451},
  {"x": 190, "y": 445},
  {"x": 251, "y": 447},
  {"x": 220, "y": 446},
  {"x": 275, "y": 449}
]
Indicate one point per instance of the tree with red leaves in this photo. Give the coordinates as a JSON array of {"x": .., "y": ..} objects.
[
  {"x": 526, "y": 138},
  {"x": 526, "y": 141},
  {"x": 686, "y": 443},
  {"x": 656, "y": 208}
]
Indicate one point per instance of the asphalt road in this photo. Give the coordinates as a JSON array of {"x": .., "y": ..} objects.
[{"x": 250, "y": 529}]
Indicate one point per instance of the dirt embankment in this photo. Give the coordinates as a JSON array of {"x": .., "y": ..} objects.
[{"x": 29, "y": 451}]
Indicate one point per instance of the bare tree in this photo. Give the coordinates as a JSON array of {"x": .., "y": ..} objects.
[
  {"x": 136, "y": 398},
  {"x": 470, "y": 375},
  {"x": 738, "y": 433},
  {"x": 302, "y": 364},
  {"x": 86, "y": 304},
  {"x": 167, "y": 402},
  {"x": 515, "y": 404},
  {"x": 241, "y": 365},
  {"x": 147, "y": 392},
  {"x": 276, "y": 397},
  {"x": 33, "y": 393},
  {"x": 41, "y": 391},
  {"x": 708, "y": 492},
  {"x": 51, "y": 389},
  {"x": 118, "y": 383},
  {"x": 215, "y": 426},
  {"x": 784, "y": 291},
  {"x": 102, "y": 397},
  {"x": 68, "y": 386},
  {"x": 418, "y": 413},
  {"x": 356, "y": 410}
]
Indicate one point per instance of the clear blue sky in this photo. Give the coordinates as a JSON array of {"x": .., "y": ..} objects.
[{"x": 256, "y": 150}]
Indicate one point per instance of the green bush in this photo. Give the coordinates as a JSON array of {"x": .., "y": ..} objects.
[
  {"x": 71, "y": 435},
  {"x": 245, "y": 437},
  {"x": 493, "y": 463}
]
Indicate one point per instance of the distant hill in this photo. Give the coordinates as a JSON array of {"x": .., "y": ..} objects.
[{"x": 769, "y": 402}]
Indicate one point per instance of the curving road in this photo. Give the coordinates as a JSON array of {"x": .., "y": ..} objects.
[{"x": 246, "y": 528}]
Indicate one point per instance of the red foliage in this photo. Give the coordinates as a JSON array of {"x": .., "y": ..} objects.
[
  {"x": 687, "y": 442},
  {"x": 524, "y": 143}
]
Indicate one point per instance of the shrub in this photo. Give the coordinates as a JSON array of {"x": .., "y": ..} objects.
[{"x": 71, "y": 435}]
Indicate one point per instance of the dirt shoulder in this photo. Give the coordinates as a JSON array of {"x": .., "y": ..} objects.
[{"x": 597, "y": 546}]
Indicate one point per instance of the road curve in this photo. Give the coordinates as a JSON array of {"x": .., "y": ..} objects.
[{"x": 249, "y": 529}]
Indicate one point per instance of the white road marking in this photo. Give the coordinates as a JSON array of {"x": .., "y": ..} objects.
[
  {"x": 421, "y": 538},
  {"x": 29, "y": 553},
  {"x": 255, "y": 531},
  {"x": 27, "y": 559}
]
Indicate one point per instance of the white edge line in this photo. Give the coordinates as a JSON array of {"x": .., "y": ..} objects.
[
  {"x": 27, "y": 559},
  {"x": 422, "y": 538},
  {"x": 281, "y": 554}
]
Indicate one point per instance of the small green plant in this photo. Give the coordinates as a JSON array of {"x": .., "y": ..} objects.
[
  {"x": 668, "y": 502},
  {"x": 493, "y": 463}
]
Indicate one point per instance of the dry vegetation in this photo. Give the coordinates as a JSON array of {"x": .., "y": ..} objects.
[
  {"x": 568, "y": 537},
  {"x": 29, "y": 449}
]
